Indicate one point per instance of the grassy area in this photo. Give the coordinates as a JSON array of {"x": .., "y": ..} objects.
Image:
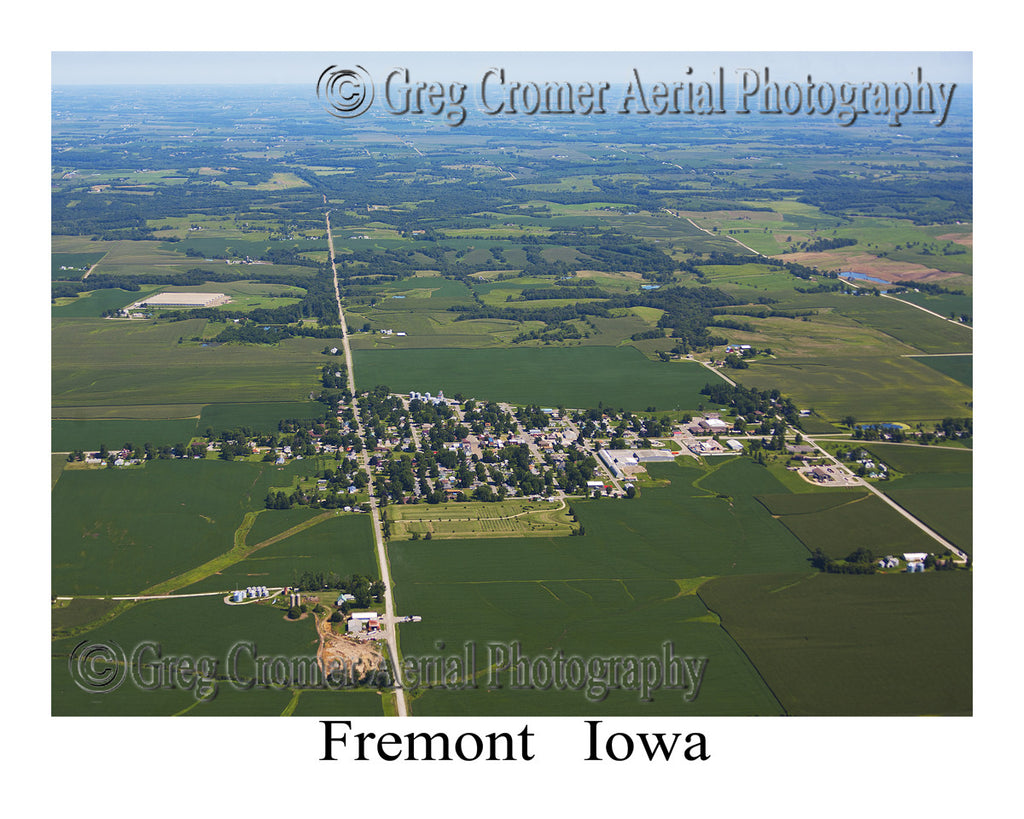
[{"x": 509, "y": 518}]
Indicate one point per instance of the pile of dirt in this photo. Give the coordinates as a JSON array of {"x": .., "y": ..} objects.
[{"x": 356, "y": 659}]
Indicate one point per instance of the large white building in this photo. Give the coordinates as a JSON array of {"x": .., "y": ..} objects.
[{"x": 183, "y": 300}]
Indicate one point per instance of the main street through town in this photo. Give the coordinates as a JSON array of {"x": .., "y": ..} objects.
[{"x": 389, "y": 622}]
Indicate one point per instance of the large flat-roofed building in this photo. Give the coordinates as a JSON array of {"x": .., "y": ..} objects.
[{"x": 183, "y": 300}]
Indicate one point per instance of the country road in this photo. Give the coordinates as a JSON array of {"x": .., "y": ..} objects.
[
  {"x": 390, "y": 623},
  {"x": 920, "y": 525}
]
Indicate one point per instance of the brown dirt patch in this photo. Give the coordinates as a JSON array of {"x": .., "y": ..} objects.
[
  {"x": 965, "y": 239},
  {"x": 888, "y": 269},
  {"x": 345, "y": 653},
  {"x": 621, "y": 274}
]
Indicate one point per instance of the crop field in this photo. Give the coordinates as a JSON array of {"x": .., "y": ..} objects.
[
  {"x": 945, "y": 304},
  {"x": 570, "y": 376},
  {"x": 91, "y": 434},
  {"x": 958, "y": 367},
  {"x": 751, "y": 280},
  {"x": 343, "y": 544},
  {"x": 261, "y": 416},
  {"x": 196, "y": 627},
  {"x": 864, "y": 521},
  {"x": 878, "y": 389},
  {"x": 562, "y": 593},
  {"x": 119, "y": 531},
  {"x": 106, "y": 363},
  {"x": 809, "y": 503},
  {"x": 884, "y": 644},
  {"x": 907, "y": 324},
  {"x": 922, "y": 459},
  {"x": 936, "y": 486},
  {"x": 949, "y": 510},
  {"x": 93, "y": 303},
  {"x": 337, "y": 704},
  {"x": 587, "y": 618},
  {"x": 75, "y": 265},
  {"x": 509, "y": 518}
]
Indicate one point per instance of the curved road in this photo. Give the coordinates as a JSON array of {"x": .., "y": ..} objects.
[{"x": 390, "y": 621}]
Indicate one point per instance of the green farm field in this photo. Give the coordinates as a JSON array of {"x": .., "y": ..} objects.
[
  {"x": 860, "y": 520},
  {"x": 936, "y": 485},
  {"x": 343, "y": 544},
  {"x": 829, "y": 644},
  {"x": 589, "y": 618},
  {"x": 569, "y": 376},
  {"x": 120, "y": 531},
  {"x": 90, "y": 433},
  {"x": 93, "y": 303},
  {"x": 194, "y": 627},
  {"x": 958, "y": 367},
  {"x": 878, "y": 389},
  {"x": 945, "y": 304},
  {"x": 106, "y": 363},
  {"x": 624, "y": 587},
  {"x": 76, "y": 264},
  {"x": 926, "y": 333}
]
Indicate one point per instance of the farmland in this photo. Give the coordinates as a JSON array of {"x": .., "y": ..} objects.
[
  {"x": 121, "y": 531},
  {"x": 604, "y": 277},
  {"x": 957, "y": 367},
  {"x": 863, "y": 521},
  {"x": 105, "y": 363},
  {"x": 809, "y": 634},
  {"x": 551, "y": 592},
  {"x": 936, "y": 485},
  {"x": 551, "y": 377}
]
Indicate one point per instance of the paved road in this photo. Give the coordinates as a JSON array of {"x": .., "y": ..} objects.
[
  {"x": 389, "y": 624},
  {"x": 930, "y": 312},
  {"x": 870, "y": 487}
]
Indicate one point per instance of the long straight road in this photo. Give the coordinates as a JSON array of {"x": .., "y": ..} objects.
[
  {"x": 390, "y": 621},
  {"x": 867, "y": 485}
]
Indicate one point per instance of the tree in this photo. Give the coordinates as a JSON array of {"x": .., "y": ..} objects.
[{"x": 630, "y": 491}]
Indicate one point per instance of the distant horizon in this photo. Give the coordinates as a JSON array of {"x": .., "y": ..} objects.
[{"x": 183, "y": 68}]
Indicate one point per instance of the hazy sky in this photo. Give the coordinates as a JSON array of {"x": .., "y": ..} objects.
[{"x": 188, "y": 67}]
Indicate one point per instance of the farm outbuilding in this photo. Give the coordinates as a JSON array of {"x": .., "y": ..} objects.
[{"x": 183, "y": 300}]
